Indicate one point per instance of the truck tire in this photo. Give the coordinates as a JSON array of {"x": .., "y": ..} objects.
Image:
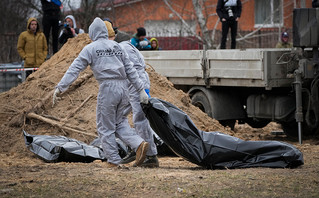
[{"x": 201, "y": 101}]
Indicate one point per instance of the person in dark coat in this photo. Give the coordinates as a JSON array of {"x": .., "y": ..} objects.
[
  {"x": 229, "y": 12},
  {"x": 50, "y": 21},
  {"x": 70, "y": 29}
]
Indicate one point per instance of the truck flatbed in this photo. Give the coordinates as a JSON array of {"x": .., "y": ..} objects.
[{"x": 242, "y": 68}]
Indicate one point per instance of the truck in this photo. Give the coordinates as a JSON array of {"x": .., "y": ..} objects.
[{"x": 253, "y": 86}]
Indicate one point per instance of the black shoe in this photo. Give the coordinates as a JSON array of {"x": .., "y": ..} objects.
[
  {"x": 130, "y": 157},
  {"x": 150, "y": 162}
]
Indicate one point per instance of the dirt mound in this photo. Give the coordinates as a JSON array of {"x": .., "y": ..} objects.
[{"x": 29, "y": 105}]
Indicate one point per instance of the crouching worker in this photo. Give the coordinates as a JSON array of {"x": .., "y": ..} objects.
[
  {"x": 111, "y": 67},
  {"x": 141, "y": 124}
]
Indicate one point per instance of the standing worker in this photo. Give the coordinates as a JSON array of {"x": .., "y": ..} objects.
[
  {"x": 50, "y": 21},
  {"x": 111, "y": 68},
  {"x": 32, "y": 46},
  {"x": 229, "y": 12},
  {"x": 141, "y": 124}
]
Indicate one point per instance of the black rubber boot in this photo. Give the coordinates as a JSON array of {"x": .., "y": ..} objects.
[
  {"x": 150, "y": 162},
  {"x": 130, "y": 157}
]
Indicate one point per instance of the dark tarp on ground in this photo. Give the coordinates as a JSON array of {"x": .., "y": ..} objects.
[
  {"x": 63, "y": 149},
  {"x": 214, "y": 149}
]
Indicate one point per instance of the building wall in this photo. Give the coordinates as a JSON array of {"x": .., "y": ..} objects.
[
  {"x": 161, "y": 22},
  {"x": 130, "y": 17}
]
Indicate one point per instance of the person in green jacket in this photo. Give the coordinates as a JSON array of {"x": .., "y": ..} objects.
[
  {"x": 284, "y": 41},
  {"x": 32, "y": 45}
]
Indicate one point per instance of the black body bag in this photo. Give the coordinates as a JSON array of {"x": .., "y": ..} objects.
[{"x": 214, "y": 149}]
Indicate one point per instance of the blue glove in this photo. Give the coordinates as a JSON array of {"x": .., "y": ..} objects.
[{"x": 148, "y": 92}]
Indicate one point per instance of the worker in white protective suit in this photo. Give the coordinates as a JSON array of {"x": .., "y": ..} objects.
[
  {"x": 141, "y": 124},
  {"x": 111, "y": 68}
]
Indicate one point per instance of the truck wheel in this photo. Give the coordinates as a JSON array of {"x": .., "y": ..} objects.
[
  {"x": 256, "y": 123},
  {"x": 291, "y": 129},
  {"x": 200, "y": 100}
]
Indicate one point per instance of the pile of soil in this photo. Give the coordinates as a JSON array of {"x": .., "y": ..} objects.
[{"x": 35, "y": 95}]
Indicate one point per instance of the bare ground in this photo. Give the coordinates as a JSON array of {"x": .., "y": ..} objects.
[{"x": 24, "y": 175}]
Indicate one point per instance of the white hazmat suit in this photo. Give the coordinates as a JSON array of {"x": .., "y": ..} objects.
[
  {"x": 141, "y": 124},
  {"x": 111, "y": 68}
]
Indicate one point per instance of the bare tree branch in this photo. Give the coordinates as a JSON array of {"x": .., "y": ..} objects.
[
  {"x": 214, "y": 29},
  {"x": 202, "y": 23},
  {"x": 183, "y": 21},
  {"x": 30, "y": 4}
]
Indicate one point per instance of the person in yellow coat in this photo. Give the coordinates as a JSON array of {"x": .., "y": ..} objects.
[
  {"x": 32, "y": 45},
  {"x": 155, "y": 44}
]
